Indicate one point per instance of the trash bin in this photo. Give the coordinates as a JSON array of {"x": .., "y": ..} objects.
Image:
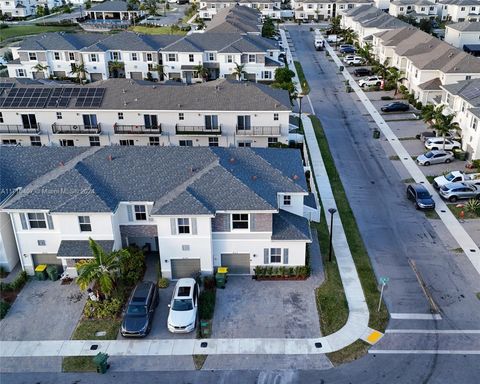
[
  {"x": 220, "y": 279},
  {"x": 100, "y": 362},
  {"x": 460, "y": 155},
  {"x": 40, "y": 272},
  {"x": 204, "y": 328},
  {"x": 376, "y": 134},
  {"x": 52, "y": 272},
  {"x": 341, "y": 68},
  {"x": 225, "y": 271}
]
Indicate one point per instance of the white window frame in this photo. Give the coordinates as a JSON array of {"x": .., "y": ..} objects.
[
  {"x": 56, "y": 56},
  {"x": 84, "y": 224},
  {"x": 93, "y": 57},
  {"x": 287, "y": 200},
  {"x": 38, "y": 217},
  {"x": 252, "y": 58},
  {"x": 134, "y": 56},
  {"x": 273, "y": 253},
  {"x": 241, "y": 218},
  {"x": 140, "y": 210},
  {"x": 149, "y": 57},
  {"x": 184, "y": 223},
  {"x": 32, "y": 56}
]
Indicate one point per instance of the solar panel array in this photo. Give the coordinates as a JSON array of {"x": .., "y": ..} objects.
[{"x": 50, "y": 97}]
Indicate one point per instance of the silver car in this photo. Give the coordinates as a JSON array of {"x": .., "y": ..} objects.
[
  {"x": 456, "y": 191},
  {"x": 435, "y": 157}
]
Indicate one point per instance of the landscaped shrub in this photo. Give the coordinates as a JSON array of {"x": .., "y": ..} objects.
[
  {"x": 16, "y": 284},
  {"x": 209, "y": 282},
  {"x": 272, "y": 273},
  {"x": 473, "y": 206},
  {"x": 419, "y": 105},
  {"x": 163, "y": 282},
  {"x": 206, "y": 304},
  {"x": 106, "y": 309},
  {"x": 386, "y": 98},
  {"x": 132, "y": 265},
  {"x": 4, "y": 307},
  {"x": 476, "y": 163}
]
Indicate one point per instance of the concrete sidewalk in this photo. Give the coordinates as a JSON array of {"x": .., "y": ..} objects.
[{"x": 463, "y": 239}]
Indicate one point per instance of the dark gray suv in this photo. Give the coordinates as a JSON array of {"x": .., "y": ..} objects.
[{"x": 420, "y": 196}]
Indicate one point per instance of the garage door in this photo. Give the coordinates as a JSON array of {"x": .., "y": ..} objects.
[
  {"x": 46, "y": 258},
  {"x": 237, "y": 263},
  {"x": 184, "y": 268},
  {"x": 136, "y": 75},
  {"x": 96, "y": 77}
]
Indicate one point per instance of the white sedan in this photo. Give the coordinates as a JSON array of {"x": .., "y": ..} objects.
[
  {"x": 182, "y": 316},
  {"x": 438, "y": 143}
]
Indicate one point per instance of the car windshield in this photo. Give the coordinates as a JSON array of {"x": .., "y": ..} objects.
[
  {"x": 423, "y": 195},
  {"x": 136, "y": 310},
  {"x": 428, "y": 155},
  {"x": 182, "y": 305},
  {"x": 450, "y": 177}
]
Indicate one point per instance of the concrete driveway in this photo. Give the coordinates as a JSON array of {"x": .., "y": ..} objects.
[{"x": 44, "y": 310}]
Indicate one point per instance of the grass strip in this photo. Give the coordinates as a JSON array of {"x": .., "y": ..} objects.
[
  {"x": 78, "y": 364},
  {"x": 378, "y": 319},
  {"x": 25, "y": 30},
  {"x": 199, "y": 360},
  {"x": 168, "y": 30},
  {"x": 301, "y": 78}
]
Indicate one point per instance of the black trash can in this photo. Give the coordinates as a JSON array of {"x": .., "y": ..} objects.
[
  {"x": 376, "y": 134},
  {"x": 52, "y": 272},
  {"x": 100, "y": 362},
  {"x": 341, "y": 68}
]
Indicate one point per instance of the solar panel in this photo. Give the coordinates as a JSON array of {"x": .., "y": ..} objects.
[{"x": 6, "y": 85}]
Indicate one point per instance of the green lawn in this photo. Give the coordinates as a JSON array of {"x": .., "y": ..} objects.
[
  {"x": 78, "y": 364},
  {"x": 157, "y": 30},
  {"x": 301, "y": 77},
  {"x": 334, "y": 316},
  {"x": 24, "y": 30}
]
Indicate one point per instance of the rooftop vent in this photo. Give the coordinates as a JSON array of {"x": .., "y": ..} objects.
[
  {"x": 254, "y": 177},
  {"x": 295, "y": 177},
  {"x": 109, "y": 157},
  {"x": 61, "y": 164},
  {"x": 154, "y": 87},
  {"x": 124, "y": 90},
  {"x": 232, "y": 160},
  {"x": 135, "y": 99}
]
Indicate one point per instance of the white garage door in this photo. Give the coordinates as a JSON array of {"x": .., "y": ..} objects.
[
  {"x": 184, "y": 268},
  {"x": 46, "y": 258},
  {"x": 237, "y": 263}
]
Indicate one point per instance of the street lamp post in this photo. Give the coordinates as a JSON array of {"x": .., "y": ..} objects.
[{"x": 332, "y": 211}]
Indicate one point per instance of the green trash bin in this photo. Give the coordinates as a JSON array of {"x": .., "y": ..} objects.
[
  {"x": 220, "y": 280},
  {"x": 41, "y": 272},
  {"x": 341, "y": 68},
  {"x": 101, "y": 363},
  {"x": 52, "y": 272},
  {"x": 376, "y": 134}
]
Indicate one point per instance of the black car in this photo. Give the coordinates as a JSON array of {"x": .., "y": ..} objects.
[
  {"x": 420, "y": 196},
  {"x": 347, "y": 50},
  {"x": 395, "y": 107},
  {"x": 360, "y": 72},
  {"x": 138, "y": 317}
]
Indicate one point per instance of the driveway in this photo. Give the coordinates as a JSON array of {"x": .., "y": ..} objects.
[
  {"x": 44, "y": 310},
  {"x": 248, "y": 308}
]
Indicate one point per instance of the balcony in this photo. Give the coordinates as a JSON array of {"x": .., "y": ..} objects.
[
  {"x": 137, "y": 129},
  {"x": 17, "y": 129},
  {"x": 68, "y": 129},
  {"x": 197, "y": 130},
  {"x": 259, "y": 131}
]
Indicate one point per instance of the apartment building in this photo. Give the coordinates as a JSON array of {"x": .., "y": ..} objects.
[
  {"x": 463, "y": 99},
  {"x": 195, "y": 208},
  {"x": 130, "y": 113},
  {"x": 459, "y": 10},
  {"x": 464, "y": 35},
  {"x": 323, "y": 9},
  {"x": 418, "y": 9},
  {"x": 267, "y": 8}
]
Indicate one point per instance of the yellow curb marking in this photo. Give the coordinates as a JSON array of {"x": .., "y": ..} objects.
[{"x": 374, "y": 337}]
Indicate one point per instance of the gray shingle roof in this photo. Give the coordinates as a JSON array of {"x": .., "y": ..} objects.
[
  {"x": 61, "y": 41},
  {"x": 431, "y": 85},
  {"x": 179, "y": 180},
  {"x": 76, "y": 248},
  {"x": 287, "y": 226},
  {"x": 469, "y": 90},
  {"x": 466, "y": 26},
  {"x": 236, "y": 19},
  {"x": 310, "y": 201},
  {"x": 110, "y": 6}
]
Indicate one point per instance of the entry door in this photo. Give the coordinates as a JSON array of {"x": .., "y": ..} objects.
[
  {"x": 150, "y": 121},
  {"x": 243, "y": 122},
  {"x": 90, "y": 121}
]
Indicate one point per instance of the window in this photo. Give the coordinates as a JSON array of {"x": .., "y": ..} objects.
[
  {"x": 474, "y": 124},
  {"x": 183, "y": 225},
  {"x": 310, "y": 6},
  {"x": 140, "y": 212},
  {"x": 32, "y": 56},
  {"x": 243, "y": 144},
  {"x": 41, "y": 243},
  {"x": 56, "y": 55},
  {"x": 149, "y": 57},
  {"x": 243, "y": 122},
  {"x": 93, "y": 57},
  {"x": 115, "y": 56},
  {"x": 21, "y": 72},
  {"x": 150, "y": 121},
  {"x": 71, "y": 56},
  {"x": 275, "y": 116},
  {"x": 229, "y": 59},
  {"x": 275, "y": 255},
  {"x": 35, "y": 141},
  {"x": 181, "y": 116},
  {"x": 213, "y": 141},
  {"x": 134, "y": 56},
  {"x": 154, "y": 141},
  {"x": 272, "y": 141},
  {"x": 401, "y": 8},
  {"x": 90, "y": 121},
  {"x": 29, "y": 121},
  {"x": 211, "y": 122},
  {"x": 171, "y": 57},
  {"x": 126, "y": 143},
  {"x": 191, "y": 58},
  {"x": 422, "y": 8},
  {"x": 468, "y": 77},
  {"x": 185, "y": 143},
  {"x": 186, "y": 247},
  {"x": 37, "y": 220},
  {"x": 267, "y": 75},
  {"x": 120, "y": 115},
  {"x": 1, "y": 117},
  {"x": 59, "y": 115},
  {"x": 462, "y": 8},
  {"x": 94, "y": 141},
  {"x": 287, "y": 200},
  {"x": 67, "y": 143},
  {"x": 240, "y": 221},
  {"x": 210, "y": 56},
  {"x": 84, "y": 222},
  {"x": 9, "y": 142},
  {"x": 251, "y": 58}
]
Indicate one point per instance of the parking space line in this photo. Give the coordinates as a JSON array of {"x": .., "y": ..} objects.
[{"x": 415, "y": 316}]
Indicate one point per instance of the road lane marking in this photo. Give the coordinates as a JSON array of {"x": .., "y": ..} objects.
[
  {"x": 424, "y": 352},
  {"x": 415, "y": 316},
  {"x": 435, "y": 331}
]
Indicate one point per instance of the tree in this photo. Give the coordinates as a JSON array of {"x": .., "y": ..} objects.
[
  {"x": 283, "y": 80},
  {"x": 160, "y": 71},
  {"x": 365, "y": 52},
  {"x": 201, "y": 72},
  {"x": 335, "y": 28},
  {"x": 396, "y": 77},
  {"x": 349, "y": 35},
  {"x": 103, "y": 269},
  {"x": 114, "y": 67},
  {"x": 268, "y": 28},
  {"x": 239, "y": 72},
  {"x": 150, "y": 6},
  {"x": 40, "y": 67},
  {"x": 79, "y": 71},
  {"x": 444, "y": 123},
  {"x": 428, "y": 113},
  {"x": 382, "y": 69},
  {"x": 425, "y": 25}
]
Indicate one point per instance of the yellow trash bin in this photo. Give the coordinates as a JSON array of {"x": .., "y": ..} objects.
[{"x": 41, "y": 272}]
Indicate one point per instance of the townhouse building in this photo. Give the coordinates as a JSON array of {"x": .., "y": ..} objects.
[
  {"x": 24, "y": 8},
  {"x": 463, "y": 99},
  {"x": 418, "y": 9},
  {"x": 135, "y": 56},
  {"x": 126, "y": 112},
  {"x": 323, "y": 9},
  {"x": 194, "y": 208},
  {"x": 267, "y": 8},
  {"x": 236, "y": 19},
  {"x": 459, "y": 10},
  {"x": 464, "y": 35}
]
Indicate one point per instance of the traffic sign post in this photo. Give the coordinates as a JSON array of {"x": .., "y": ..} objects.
[{"x": 383, "y": 281}]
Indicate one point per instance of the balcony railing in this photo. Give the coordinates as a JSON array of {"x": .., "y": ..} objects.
[
  {"x": 137, "y": 129},
  {"x": 19, "y": 129},
  {"x": 197, "y": 130},
  {"x": 76, "y": 129},
  {"x": 259, "y": 131}
]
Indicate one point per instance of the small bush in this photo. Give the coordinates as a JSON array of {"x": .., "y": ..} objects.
[
  {"x": 107, "y": 309},
  {"x": 163, "y": 282},
  {"x": 476, "y": 163},
  {"x": 206, "y": 304},
  {"x": 419, "y": 105},
  {"x": 386, "y": 98},
  {"x": 132, "y": 265},
  {"x": 15, "y": 285},
  {"x": 4, "y": 307},
  {"x": 473, "y": 206},
  {"x": 209, "y": 282}
]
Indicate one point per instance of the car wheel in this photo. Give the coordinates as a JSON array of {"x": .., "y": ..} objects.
[
  {"x": 448, "y": 161},
  {"x": 416, "y": 206},
  {"x": 434, "y": 149},
  {"x": 427, "y": 163},
  {"x": 378, "y": 84},
  {"x": 453, "y": 199},
  {"x": 454, "y": 148}
]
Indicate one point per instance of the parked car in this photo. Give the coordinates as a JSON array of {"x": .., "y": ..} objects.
[
  {"x": 362, "y": 72},
  {"x": 347, "y": 50},
  {"x": 424, "y": 136},
  {"x": 182, "y": 317},
  {"x": 138, "y": 317},
  {"x": 455, "y": 177},
  {"x": 420, "y": 196},
  {"x": 395, "y": 106},
  {"x": 438, "y": 143},
  {"x": 345, "y": 46},
  {"x": 435, "y": 157},
  {"x": 369, "y": 81},
  {"x": 355, "y": 61},
  {"x": 456, "y": 191}
]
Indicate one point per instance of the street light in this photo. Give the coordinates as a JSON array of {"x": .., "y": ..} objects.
[
  {"x": 300, "y": 97},
  {"x": 332, "y": 211}
]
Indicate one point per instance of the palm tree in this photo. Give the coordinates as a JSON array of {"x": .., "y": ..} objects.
[
  {"x": 201, "y": 71},
  {"x": 239, "y": 71},
  {"x": 428, "y": 113},
  {"x": 396, "y": 77},
  {"x": 40, "y": 67},
  {"x": 365, "y": 52},
  {"x": 335, "y": 25},
  {"x": 150, "y": 6},
  {"x": 103, "y": 269},
  {"x": 381, "y": 69},
  {"x": 349, "y": 35},
  {"x": 114, "y": 67},
  {"x": 444, "y": 123},
  {"x": 160, "y": 71},
  {"x": 79, "y": 71}
]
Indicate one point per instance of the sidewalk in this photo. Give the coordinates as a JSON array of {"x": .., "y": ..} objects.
[{"x": 463, "y": 239}]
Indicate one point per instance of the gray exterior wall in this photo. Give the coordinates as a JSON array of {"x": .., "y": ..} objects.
[
  {"x": 261, "y": 222},
  {"x": 221, "y": 223},
  {"x": 137, "y": 231}
]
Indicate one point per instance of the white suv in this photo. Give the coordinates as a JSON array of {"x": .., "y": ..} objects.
[
  {"x": 369, "y": 81},
  {"x": 354, "y": 60},
  {"x": 182, "y": 316},
  {"x": 437, "y": 143}
]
